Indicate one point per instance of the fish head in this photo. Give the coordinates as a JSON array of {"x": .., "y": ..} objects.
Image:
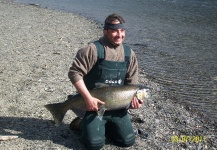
[{"x": 142, "y": 93}]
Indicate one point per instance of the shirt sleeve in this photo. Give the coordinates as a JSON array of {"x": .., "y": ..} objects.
[
  {"x": 132, "y": 72},
  {"x": 83, "y": 63}
]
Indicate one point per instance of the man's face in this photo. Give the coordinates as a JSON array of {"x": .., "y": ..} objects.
[{"x": 115, "y": 36}]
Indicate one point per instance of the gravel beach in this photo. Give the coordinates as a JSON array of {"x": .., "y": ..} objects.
[{"x": 37, "y": 47}]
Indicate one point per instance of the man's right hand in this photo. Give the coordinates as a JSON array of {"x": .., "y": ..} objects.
[
  {"x": 92, "y": 104},
  {"x": 90, "y": 101}
]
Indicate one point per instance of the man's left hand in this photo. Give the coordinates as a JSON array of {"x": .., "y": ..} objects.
[{"x": 136, "y": 103}]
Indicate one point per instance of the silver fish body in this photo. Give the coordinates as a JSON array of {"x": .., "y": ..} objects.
[{"x": 115, "y": 97}]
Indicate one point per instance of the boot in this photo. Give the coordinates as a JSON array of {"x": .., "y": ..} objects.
[{"x": 75, "y": 124}]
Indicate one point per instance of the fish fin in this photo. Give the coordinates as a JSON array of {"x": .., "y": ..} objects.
[
  {"x": 128, "y": 106},
  {"x": 100, "y": 113},
  {"x": 78, "y": 112},
  {"x": 57, "y": 112}
]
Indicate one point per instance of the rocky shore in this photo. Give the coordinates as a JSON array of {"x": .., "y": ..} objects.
[{"x": 37, "y": 47}]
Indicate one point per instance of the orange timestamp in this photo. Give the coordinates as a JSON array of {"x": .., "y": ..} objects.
[{"x": 187, "y": 139}]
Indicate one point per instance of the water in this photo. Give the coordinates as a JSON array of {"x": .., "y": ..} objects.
[{"x": 175, "y": 41}]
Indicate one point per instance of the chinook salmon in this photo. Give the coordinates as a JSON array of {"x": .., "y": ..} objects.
[{"x": 115, "y": 97}]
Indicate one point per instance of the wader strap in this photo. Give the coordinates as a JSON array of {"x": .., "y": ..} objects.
[
  {"x": 101, "y": 51},
  {"x": 127, "y": 53}
]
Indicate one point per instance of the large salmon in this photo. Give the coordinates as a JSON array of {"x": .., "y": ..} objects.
[{"x": 115, "y": 97}]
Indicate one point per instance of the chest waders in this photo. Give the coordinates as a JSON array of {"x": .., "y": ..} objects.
[
  {"x": 109, "y": 72},
  {"x": 116, "y": 124}
]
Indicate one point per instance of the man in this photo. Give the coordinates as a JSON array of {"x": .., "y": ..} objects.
[{"x": 106, "y": 61}]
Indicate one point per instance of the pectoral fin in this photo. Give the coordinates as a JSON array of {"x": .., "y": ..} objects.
[{"x": 101, "y": 113}]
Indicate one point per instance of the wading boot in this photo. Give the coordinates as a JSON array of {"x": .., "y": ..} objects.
[{"x": 75, "y": 124}]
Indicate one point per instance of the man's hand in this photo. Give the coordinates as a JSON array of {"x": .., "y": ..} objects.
[
  {"x": 93, "y": 103},
  {"x": 136, "y": 103}
]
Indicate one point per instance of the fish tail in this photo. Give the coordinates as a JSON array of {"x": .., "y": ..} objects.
[{"x": 57, "y": 112}]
